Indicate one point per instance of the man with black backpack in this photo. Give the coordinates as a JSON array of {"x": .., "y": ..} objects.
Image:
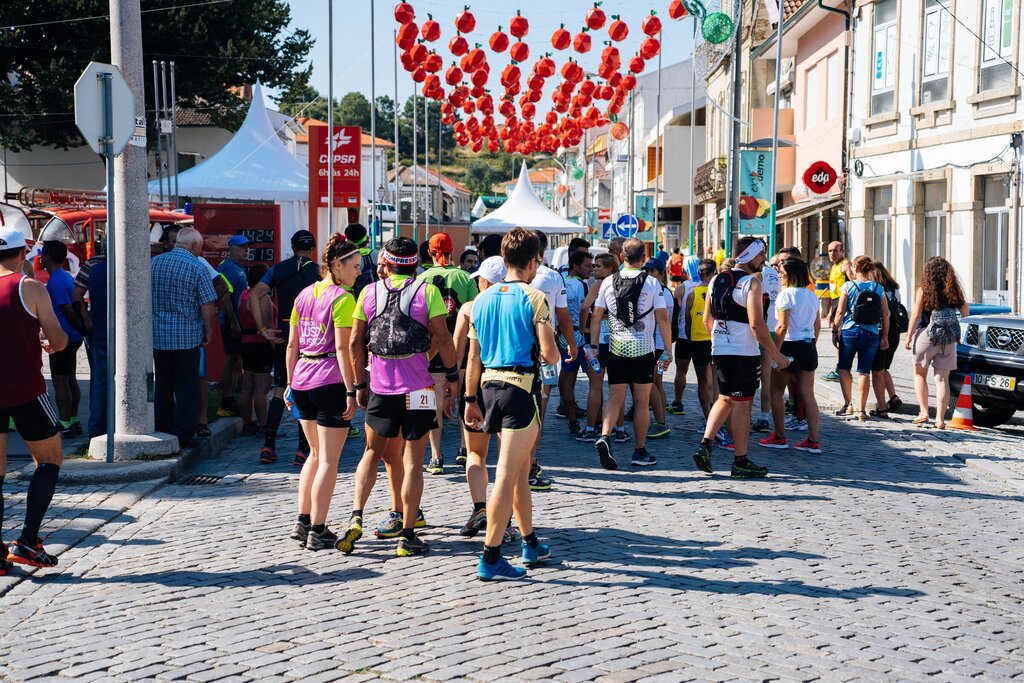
[
  {"x": 734, "y": 316},
  {"x": 636, "y": 308},
  {"x": 356, "y": 234},
  {"x": 457, "y": 287}
]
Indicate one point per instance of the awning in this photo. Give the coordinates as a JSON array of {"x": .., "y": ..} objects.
[{"x": 803, "y": 209}]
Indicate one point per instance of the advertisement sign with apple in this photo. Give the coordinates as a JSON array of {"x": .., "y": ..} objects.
[
  {"x": 643, "y": 207},
  {"x": 756, "y": 167}
]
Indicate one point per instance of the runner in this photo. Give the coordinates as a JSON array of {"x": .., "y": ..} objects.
[
  {"x": 26, "y": 310},
  {"x": 689, "y": 279},
  {"x": 457, "y": 287},
  {"x": 576, "y": 289},
  {"x": 674, "y": 268},
  {"x": 287, "y": 278},
  {"x": 734, "y": 316},
  {"x": 840, "y": 272},
  {"x": 604, "y": 266},
  {"x": 320, "y": 378},
  {"x": 635, "y": 305},
  {"x": 232, "y": 269},
  {"x": 658, "y": 429},
  {"x": 509, "y": 322},
  {"x": 356, "y": 234},
  {"x": 698, "y": 340},
  {"x": 397, "y": 321}
]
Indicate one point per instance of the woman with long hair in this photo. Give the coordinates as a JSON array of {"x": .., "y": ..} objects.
[
  {"x": 881, "y": 378},
  {"x": 934, "y": 333},
  {"x": 321, "y": 381},
  {"x": 860, "y": 337}
]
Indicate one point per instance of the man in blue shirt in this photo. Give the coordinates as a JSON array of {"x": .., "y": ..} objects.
[
  {"x": 92, "y": 280},
  {"x": 183, "y": 319},
  {"x": 230, "y": 331},
  {"x": 64, "y": 364}
]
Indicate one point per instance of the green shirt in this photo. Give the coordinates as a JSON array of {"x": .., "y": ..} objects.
[{"x": 456, "y": 279}]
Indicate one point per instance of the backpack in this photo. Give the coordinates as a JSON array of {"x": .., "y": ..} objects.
[
  {"x": 899, "y": 319},
  {"x": 393, "y": 332},
  {"x": 451, "y": 301},
  {"x": 627, "y": 291},
  {"x": 723, "y": 306},
  {"x": 943, "y": 326},
  {"x": 867, "y": 306},
  {"x": 368, "y": 274}
]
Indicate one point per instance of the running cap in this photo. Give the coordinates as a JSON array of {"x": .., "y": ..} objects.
[
  {"x": 492, "y": 269},
  {"x": 238, "y": 241},
  {"x": 303, "y": 239},
  {"x": 654, "y": 264},
  {"x": 11, "y": 238}
]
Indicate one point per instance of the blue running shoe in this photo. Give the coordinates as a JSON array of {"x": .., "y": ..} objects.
[
  {"x": 499, "y": 571},
  {"x": 391, "y": 527},
  {"x": 532, "y": 556}
]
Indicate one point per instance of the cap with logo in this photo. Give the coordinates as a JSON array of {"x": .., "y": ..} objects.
[
  {"x": 654, "y": 264},
  {"x": 303, "y": 239},
  {"x": 238, "y": 241},
  {"x": 11, "y": 238}
]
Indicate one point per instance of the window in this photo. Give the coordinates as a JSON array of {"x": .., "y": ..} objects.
[
  {"x": 935, "y": 55},
  {"x": 811, "y": 98},
  {"x": 881, "y": 224},
  {"x": 997, "y": 45},
  {"x": 835, "y": 84},
  {"x": 934, "y": 219},
  {"x": 883, "y": 78},
  {"x": 994, "y": 240}
]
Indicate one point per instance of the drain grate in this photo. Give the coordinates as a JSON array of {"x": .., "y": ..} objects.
[{"x": 200, "y": 480}]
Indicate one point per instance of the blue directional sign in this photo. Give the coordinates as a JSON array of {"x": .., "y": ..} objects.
[
  {"x": 607, "y": 230},
  {"x": 626, "y": 226}
]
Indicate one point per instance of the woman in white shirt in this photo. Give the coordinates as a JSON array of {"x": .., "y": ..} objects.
[{"x": 796, "y": 336}]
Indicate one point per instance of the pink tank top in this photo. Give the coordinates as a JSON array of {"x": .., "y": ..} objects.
[{"x": 318, "y": 362}]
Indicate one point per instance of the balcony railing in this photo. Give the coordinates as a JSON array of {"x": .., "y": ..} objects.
[{"x": 709, "y": 181}]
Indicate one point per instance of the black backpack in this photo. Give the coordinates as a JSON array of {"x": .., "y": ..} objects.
[
  {"x": 899, "y": 319},
  {"x": 393, "y": 332},
  {"x": 627, "y": 291},
  {"x": 867, "y": 306},
  {"x": 451, "y": 301},
  {"x": 368, "y": 275},
  {"x": 723, "y": 306}
]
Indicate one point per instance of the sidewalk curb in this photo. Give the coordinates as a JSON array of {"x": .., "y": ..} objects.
[{"x": 82, "y": 472}]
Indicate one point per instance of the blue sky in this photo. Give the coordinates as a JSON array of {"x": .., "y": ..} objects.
[{"x": 352, "y": 36}]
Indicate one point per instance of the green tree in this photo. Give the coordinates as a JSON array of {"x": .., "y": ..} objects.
[
  {"x": 479, "y": 177},
  {"x": 405, "y": 127},
  {"x": 353, "y": 110},
  {"x": 215, "y": 47},
  {"x": 303, "y": 99}
]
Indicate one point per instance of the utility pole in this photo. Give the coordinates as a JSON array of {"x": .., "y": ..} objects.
[
  {"x": 732, "y": 231},
  {"x": 659, "y": 161},
  {"x": 330, "y": 125},
  {"x": 128, "y": 243},
  {"x": 373, "y": 135}
]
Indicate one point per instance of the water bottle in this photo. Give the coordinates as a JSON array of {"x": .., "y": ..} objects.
[
  {"x": 661, "y": 362},
  {"x": 549, "y": 374},
  {"x": 295, "y": 408},
  {"x": 591, "y": 355},
  {"x": 775, "y": 364}
]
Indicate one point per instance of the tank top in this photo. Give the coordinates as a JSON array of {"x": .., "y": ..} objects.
[
  {"x": 697, "y": 331},
  {"x": 836, "y": 279},
  {"x": 318, "y": 364},
  {"x": 250, "y": 333},
  {"x": 19, "y": 346}
]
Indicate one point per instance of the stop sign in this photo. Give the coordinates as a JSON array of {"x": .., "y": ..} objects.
[{"x": 820, "y": 177}]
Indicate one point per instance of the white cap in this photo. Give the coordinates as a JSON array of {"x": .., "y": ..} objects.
[
  {"x": 11, "y": 238},
  {"x": 492, "y": 269}
]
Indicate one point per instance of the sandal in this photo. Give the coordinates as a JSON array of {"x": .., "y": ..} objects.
[
  {"x": 845, "y": 410},
  {"x": 895, "y": 403},
  {"x": 203, "y": 431},
  {"x": 880, "y": 414},
  {"x": 862, "y": 416},
  {"x": 921, "y": 420}
]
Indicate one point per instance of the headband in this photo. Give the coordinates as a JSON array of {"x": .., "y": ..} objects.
[
  {"x": 753, "y": 250},
  {"x": 396, "y": 260}
]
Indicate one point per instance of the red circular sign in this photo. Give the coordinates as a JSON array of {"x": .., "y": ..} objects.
[{"x": 820, "y": 177}]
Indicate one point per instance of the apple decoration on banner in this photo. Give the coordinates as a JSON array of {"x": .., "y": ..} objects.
[
  {"x": 677, "y": 10},
  {"x": 581, "y": 43},
  {"x": 651, "y": 24},
  {"x": 561, "y": 39}
]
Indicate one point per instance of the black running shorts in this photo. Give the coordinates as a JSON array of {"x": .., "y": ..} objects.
[
  {"x": 63, "y": 362},
  {"x": 387, "y": 415},
  {"x": 700, "y": 352},
  {"x": 738, "y": 376},
  {"x": 36, "y": 420},
  {"x": 325, "y": 405},
  {"x": 639, "y": 370},
  {"x": 804, "y": 355},
  {"x": 683, "y": 350},
  {"x": 281, "y": 364},
  {"x": 507, "y": 406},
  {"x": 257, "y": 358},
  {"x": 228, "y": 343}
]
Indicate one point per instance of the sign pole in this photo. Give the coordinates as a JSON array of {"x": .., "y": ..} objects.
[
  {"x": 330, "y": 122},
  {"x": 659, "y": 162},
  {"x": 373, "y": 138},
  {"x": 108, "y": 144},
  {"x": 693, "y": 124},
  {"x": 156, "y": 128},
  {"x": 732, "y": 226},
  {"x": 775, "y": 131}
]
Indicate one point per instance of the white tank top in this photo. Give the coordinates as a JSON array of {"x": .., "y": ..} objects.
[{"x": 731, "y": 338}]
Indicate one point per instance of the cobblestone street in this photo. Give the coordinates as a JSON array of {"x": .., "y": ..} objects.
[{"x": 884, "y": 559}]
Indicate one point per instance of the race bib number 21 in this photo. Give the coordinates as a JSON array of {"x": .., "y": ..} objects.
[{"x": 425, "y": 399}]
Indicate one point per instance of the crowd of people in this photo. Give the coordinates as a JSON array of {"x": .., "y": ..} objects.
[{"x": 415, "y": 340}]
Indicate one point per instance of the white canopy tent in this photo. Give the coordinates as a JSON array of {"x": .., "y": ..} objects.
[
  {"x": 524, "y": 210},
  {"x": 254, "y": 166}
]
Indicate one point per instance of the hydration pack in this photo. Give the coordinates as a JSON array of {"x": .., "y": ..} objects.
[
  {"x": 723, "y": 306},
  {"x": 368, "y": 274},
  {"x": 944, "y": 326},
  {"x": 393, "y": 332},
  {"x": 627, "y": 291}
]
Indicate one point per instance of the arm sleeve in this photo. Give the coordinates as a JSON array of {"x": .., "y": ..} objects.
[
  {"x": 560, "y": 299},
  {"x": 541, "y": 312},
  {"x": 342, "y": 310}
]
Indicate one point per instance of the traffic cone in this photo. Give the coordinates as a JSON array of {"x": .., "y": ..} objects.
[{"x": 963, "y": 413}]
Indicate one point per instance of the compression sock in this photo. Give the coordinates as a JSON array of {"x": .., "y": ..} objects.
[
  {"x": 40, "y": 493},
  {"x": 303, "y": 443},
  {"x": 492, "y": 555},
  {"x": 318, "y": 528},
  {"x": 274, "y": 412},
  {"x": 531, "y": 540},
  {"x": 304, "y": 519},
  {"x": 408, "y": 534},
  {"x": 477, "y": 507}
]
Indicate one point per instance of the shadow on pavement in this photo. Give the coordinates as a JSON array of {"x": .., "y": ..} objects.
[{"x": 274, "y": 575}]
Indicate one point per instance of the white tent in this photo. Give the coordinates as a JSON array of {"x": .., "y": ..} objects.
[
  {"x": 254, "y": 166},
  {"x": 524, "y": 210}
]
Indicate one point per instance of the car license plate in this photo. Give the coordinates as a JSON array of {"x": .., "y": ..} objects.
[{"x": 995, "y": 381}]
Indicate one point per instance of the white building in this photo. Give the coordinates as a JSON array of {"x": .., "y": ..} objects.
[{"x": 932, "y": 157}]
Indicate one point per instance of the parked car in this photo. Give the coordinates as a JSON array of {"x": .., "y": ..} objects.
[
  {"x": 991, "y": 350},
  {"x": 387, "y": 212}
]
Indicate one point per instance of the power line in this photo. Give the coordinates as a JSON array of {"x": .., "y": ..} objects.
[
  {"x": 107, "y": 16},
  {"x": 977, "y": 37}
]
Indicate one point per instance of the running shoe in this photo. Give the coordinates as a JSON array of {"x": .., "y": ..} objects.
[
  {"x": 511, "y": 535},
  {"x": 620, "y": 435},
  {"x": 831, "y": 377},
  {"x": 702, "y": 457},
  {"x": 574, "y": 427},
  {"x": 267, "y": 456},
  {"x": 203, "y": 431},
  {"x": 421, "y": 521},
  {"x": 5, "y": 566},
  {"x": 587, "y": 435},
  {"x": 390, "y": 527},
  {"x": 795, "y": 425},
  {"x": 790, "y": 406},
  {"x": 407, "y": 547},
  {"x": 300, "y": 459},
  {"x": 658, "y": 430},
  {"x": 774, "y": 441},
  {"x": 224, "y": 412},
  {"x": 560, "y": 411},
  {"x": 347, "y": 543},
  {"x": 321, "y": 541},
  {"x": 299, "y": 533},
  {"x": 66, "y": 432},
  {"x": 499, "y": 571},
  {"x": 761, "y": 426},
  {"x": 353, "y": 432},
  {"x": 476, "y": 523},
  {"x": 532, "y": 556},
  {"x": 808, "y": 446},
  {"x": 461, "y": 457},
  {"x": 537, "y": 482},
  {"x": 436, "y": 465},
  {"x": 724, "y": 440},
  {"x": 603, "y": 446},
  {"x": 20, "y": 552},
  {"x": 581, "y": 412},
  {"x": 676, "y": 408},
  {"x": 746, "y": 469},
  {"x": 641, "y": 458}
]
